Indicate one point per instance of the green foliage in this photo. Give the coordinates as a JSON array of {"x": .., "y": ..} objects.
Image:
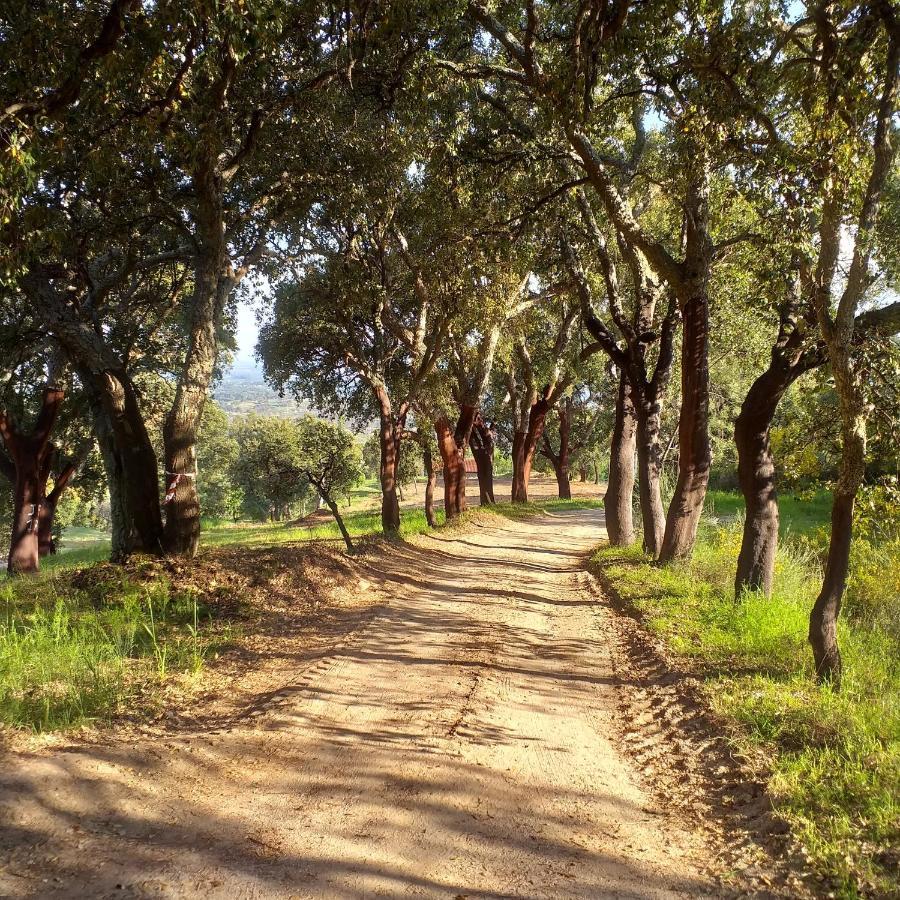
[
  {"x": 221, "y": 497},
  {"x": 268, "y": 466},
  {"x": 834, "y": 756},
  {"x": 371, "y": 455},
  {"x": 329, "y": 456},
  {"x": 278, "y": 463}
]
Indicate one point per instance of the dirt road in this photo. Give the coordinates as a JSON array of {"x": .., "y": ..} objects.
[{"x": 462, "y": 743}]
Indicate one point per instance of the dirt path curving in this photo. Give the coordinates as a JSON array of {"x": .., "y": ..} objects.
[{"x": 463, "y": 743}]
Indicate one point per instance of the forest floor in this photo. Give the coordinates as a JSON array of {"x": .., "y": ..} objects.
[{"x": 470, "y": 717}]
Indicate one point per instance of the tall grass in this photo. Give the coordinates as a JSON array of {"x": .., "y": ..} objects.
[
  {"x": 835, "y": 757},
  {"x": 70, "y": 657}
]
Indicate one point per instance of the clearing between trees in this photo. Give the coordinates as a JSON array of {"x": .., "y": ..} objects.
[{"x": 481, "y": 722}]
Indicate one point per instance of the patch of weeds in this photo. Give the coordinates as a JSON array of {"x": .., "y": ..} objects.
[{"x": 79, "y": 649}]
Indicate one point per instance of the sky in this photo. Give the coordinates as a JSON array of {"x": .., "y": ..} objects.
[{"x": 246, "y": 334}]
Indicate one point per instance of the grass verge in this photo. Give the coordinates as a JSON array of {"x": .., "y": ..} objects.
[
  {"x": 75, "y": 649},
  {"x": 833, "y": 758}
]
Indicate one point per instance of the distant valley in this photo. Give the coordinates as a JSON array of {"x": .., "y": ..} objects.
[{"x": 243, "y": 391}]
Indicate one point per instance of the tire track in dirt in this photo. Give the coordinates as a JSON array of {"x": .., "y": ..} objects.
[{"x": 688, "y": 758}]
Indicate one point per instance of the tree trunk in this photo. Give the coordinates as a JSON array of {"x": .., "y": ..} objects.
[
  {"x": 23, "y": 547},
  {"x": 824, "y": 616},
  {"x": 390, "y": 452},
  {"x": 122, "y": 532},
  {"x": 694, "y": 455},
  {"x": 483, "y": 452},
  {"x": 484, "y": 461},
  {"x": 181, "y": 501},
  {"x": 337, "y": 518},
  {"x": 756, "y": 476},
  {"x": 46, "y": 516},
  {"x": 210, "y": 294},
  {"x": 431, "y": 477},
  {"x": 561, "y": 465},
  {"x": 462, "y": 435},
  {"x": 563, "y": 487},
  {"x": 529, "y": 441},
  {"x": 453, "y": 467},
  {"x": 135, "y": 467},
  {"x": 519, "y": 493},
  {"x": 617, "y": 502},
  {"x": 31, "y": 456},
  {"x": 110, "y": 387},
  {"x": 649, "y": 454},
  {"x": 536, "y": 421},
  {"x": 582, "y": 474},
  {"x": 827, "y": 608},
  {"x": 213, "y": 282},
  {"x": 47, "y": 511},
  {"x": 556, "y": 460}
]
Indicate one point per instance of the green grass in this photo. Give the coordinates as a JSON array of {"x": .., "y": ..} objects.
[
  {"x": 359, "y": 524},
  {"x": 69, "y": 655},
  {"x": 835, "y": 757},
  {"x": 84, "y": 546},
  {"x": 800, "y": 513}
]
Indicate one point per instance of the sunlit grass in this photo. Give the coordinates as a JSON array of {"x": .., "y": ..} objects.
[
  {"x": 835, "y": 757},
  {"x": 518, "y": 511}
]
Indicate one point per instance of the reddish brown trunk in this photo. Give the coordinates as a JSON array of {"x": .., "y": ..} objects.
[
  {"x": 462, "y": 436},
  {"x": 617, "y": 501},
  {"x": 560, "y": 459},
  {"x": 536, "y": 419},
  {"x": 563, "y": 487},
  {"x": 47, "y": 512},
  {"x": 519, "y": 493},
  {"x": 453, "y": 466},
  {"x": 23, "y": 548},
  {"x": 30, "y": 454}
]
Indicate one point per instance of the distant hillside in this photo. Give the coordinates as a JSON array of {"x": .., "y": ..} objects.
[{"x": 243, "y": 391}]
